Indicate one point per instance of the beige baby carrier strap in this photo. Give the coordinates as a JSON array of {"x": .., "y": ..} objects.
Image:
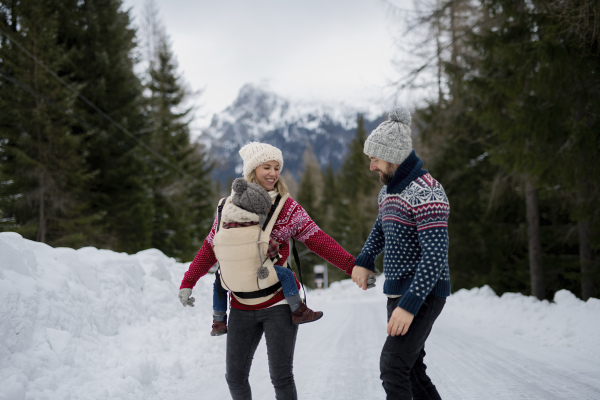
[{"x": 241, "y": 251}]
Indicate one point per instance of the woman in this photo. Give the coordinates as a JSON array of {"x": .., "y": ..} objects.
[{"x": 247, "y": 323}]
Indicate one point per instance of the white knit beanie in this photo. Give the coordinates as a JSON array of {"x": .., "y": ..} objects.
[
  {"x": 255, "y": 154},
  {"x": 391, "y": 140}
]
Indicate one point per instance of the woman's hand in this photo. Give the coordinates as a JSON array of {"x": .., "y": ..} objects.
[
  {"x": 360, "y": 276},
  {"x": 185, "y": 299}
]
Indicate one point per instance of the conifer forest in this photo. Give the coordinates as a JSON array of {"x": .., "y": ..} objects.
[{"x": 96, "y": 150}]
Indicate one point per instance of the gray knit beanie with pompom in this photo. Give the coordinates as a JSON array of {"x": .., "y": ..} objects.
[
  {"x": 251, "y": 197},
  {"x": 391, "y": 140}
]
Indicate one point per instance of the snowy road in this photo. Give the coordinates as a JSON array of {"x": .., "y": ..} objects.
[
  {"x": 464, "y": 360},
  {"x": 469, "y": 364},
  {"x": 337, "y": 357}
]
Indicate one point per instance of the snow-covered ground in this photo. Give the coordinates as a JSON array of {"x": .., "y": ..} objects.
[{"x": 95, "y": 324}]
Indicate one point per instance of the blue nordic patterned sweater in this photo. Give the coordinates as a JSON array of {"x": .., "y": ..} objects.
[{"x": 412, "y": 231}]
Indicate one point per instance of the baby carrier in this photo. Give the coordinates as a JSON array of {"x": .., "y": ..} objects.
[{"x": 241, "y": 252}]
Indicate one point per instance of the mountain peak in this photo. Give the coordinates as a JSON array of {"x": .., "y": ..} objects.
[
  {"x": 257, "y": 104},
  {"x": 258, "y": 114}
]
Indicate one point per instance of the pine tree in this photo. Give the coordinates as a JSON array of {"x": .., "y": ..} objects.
[
  {"x": 311, "y": 186},
  {"x": 573, "y": 30},
  {"x": 527, "y": 107},
  {"x": 487, "y": 244},
  {"x": 44, "y": 179},
  {"x": 327, "y": 198},
  {"x": 514, "y": 79},
  {"x": 485, "y": 226},
  {"x": 355, "y": 203},
  {"x": 182, "y": 193},
  {"x": 100, "y": 44}
]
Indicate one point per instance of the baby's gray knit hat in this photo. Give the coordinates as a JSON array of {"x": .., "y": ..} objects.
[
  {"x": 251, "y": 197},
  {"x": 391, "y": 140}
]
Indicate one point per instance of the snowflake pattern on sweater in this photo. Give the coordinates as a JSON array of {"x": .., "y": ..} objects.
[
  {"x": 412, "y": 231},
  {"x": 292, "y": 222}
]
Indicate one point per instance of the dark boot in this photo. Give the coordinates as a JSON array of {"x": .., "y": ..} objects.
[
  {"x": 304, "y": 314},
  {"x": 219, "y": 328}
]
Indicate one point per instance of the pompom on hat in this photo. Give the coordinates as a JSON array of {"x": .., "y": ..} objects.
[
  {"x": 254, "y": 154},
  {"x": 391, "y": 140}
]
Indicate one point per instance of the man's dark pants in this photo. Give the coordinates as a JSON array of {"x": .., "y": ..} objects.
[{"x": 403, "y": 373}]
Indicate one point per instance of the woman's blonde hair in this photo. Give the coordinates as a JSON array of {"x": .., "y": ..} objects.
[{"x": 280, "y": 185}]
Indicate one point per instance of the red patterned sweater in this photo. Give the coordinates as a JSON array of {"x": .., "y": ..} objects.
[{"x": 293, "y": 221}]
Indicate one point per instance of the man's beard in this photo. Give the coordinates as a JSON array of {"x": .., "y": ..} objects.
[{"x": 386, "y": 177}]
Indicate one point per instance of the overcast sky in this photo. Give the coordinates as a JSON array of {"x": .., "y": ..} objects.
[{"x": 304, "y": 49}]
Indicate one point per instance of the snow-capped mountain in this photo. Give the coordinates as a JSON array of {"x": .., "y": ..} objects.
[{"x": 258, "y": 114}]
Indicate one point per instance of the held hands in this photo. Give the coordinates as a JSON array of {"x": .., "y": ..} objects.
[
  {"x": 363, "y": 277},
  {"x": 399, "y": 322},
  {"x": 185, "y": 299}
]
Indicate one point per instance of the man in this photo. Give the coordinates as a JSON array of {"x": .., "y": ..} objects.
[{"x": 412, "y": 231}]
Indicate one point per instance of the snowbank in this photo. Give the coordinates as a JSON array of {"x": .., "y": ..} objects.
[
  {"x": 66, "y": 314},
  {"x": 565, "y": 323}
]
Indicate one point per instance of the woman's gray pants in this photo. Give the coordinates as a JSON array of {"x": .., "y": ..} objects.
[{"x": 244, "y": 331}]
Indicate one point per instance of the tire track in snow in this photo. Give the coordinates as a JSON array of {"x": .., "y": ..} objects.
[
  {"x": 473, "y": 362},
  {"x": 337, "y": 357}
]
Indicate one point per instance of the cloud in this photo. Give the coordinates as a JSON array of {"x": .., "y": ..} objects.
[{"x": 312, "y": 49}]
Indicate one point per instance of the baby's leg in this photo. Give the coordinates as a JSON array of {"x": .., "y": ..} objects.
[
  {"x": 300, "y": 313},
  {"x": 219, "y": 303},
  {"x": 288, "y": 283},
  {"x": 219, "y": 326}
]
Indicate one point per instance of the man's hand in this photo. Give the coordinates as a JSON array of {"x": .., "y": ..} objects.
[
  {"x": 399, "y": 322},
  {"x": 184, "y": 297},
  {"x": 360, "y": 275}
]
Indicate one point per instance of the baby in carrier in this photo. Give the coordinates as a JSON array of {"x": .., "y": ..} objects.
[{"x": 250, "y": 205}]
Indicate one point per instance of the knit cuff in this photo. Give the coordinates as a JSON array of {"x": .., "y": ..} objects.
[
  {"x": 365, "y": 261},
  {"x": 411, "y": 303},
  {"x": 349, "y": 266}
]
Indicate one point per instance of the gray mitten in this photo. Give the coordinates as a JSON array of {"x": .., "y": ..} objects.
[
  {"x": 185, "y": 299},
  {"x": 371, "y": 281}
]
